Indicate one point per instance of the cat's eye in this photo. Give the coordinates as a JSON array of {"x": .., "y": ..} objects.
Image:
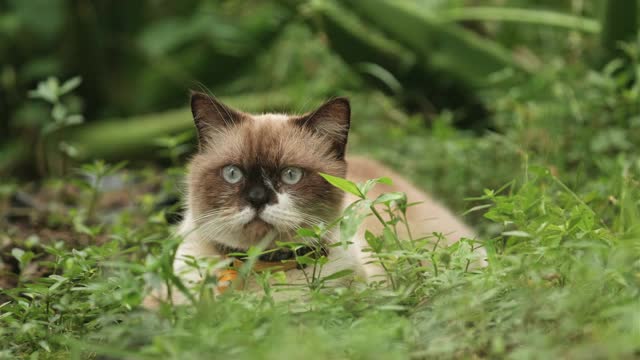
[
  {"x": 232, "y": 174},
  {"x": 291, "y": 175}
]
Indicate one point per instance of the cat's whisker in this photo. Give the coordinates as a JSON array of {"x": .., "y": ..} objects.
[
  {"x": 219, "y": 224},
  {"x": 210, "y": 214}
]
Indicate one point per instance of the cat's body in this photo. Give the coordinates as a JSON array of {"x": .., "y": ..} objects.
[{"x": 255, "y": 180}]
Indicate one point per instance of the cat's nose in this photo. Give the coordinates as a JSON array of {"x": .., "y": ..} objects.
[{"x": 257, "y": 196}]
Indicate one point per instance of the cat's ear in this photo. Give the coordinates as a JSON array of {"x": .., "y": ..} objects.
[
  {"x": 332, "y": 119},
  {"x": 209, "y": 115}
]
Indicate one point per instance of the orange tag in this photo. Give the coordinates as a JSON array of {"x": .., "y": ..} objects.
[{"x": 225, "y": 279}]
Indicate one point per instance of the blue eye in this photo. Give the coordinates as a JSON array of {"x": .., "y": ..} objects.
[
  {"x": 232, "y": 174},
  {"x": 291, "y": 175}
]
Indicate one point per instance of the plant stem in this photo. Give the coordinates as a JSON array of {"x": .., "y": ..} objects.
[
  {"x": 466, "y": 268},
  {"x": 406, "y": 225},
  {"x": 393, "y": 283},
  {"x": 384, "y": 223},
  {"x": 435, "y": 266}
]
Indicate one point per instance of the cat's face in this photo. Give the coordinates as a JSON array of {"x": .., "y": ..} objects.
[{"x": 256, "y": 176}]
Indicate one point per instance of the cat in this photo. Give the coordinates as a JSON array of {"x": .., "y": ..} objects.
[{"x": 255, "y": 180}]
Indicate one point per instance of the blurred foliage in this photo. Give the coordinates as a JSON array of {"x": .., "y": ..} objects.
[
  {"x": 134, "y": 57},
  {"x": 288, "y": 55},
  {"x": 140, "y": 57}
]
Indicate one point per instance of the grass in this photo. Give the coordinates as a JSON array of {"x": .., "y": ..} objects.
[
  {"x": 554, "y": 191},
  {"x": 560, "y": 284}
]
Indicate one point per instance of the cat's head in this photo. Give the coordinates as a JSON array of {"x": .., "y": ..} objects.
[{"x": 256, "y": 176}]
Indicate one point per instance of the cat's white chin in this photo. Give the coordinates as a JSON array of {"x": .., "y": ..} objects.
[{"x": 258, "y": 226}]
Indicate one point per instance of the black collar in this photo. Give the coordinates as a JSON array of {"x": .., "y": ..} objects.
[{"x": 274, "y": 255}]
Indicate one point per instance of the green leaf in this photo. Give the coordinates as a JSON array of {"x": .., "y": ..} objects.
[
  {"x": 47, "y": 90},
  {"x": 388, "y": 236},
  {"x": 322, "y": 260},
  {"x": 254, "y": 252},
  {"x": 5, "y": 315},
  {"x": 374, "y": 242},
  {"x": 304, "y": 232},
  {"x": 305, "y": 260},
  {"x": 351, "y": 219},
  {"x": 68, "y": 149},
  {"x": 17, "y": 253},
  {"x": 57, "y": 277},
  {"x": 59, "y": 281},
  {"x": 117, "y": 167},
  {"x": 43, "y": 344},
  {"x": 23, "y": 257},
  {"x": 517, "y": 233},
  {"x": 49, "y": 128},
  {"x": 387, "y": 198},
  {"x": 383, "y": 75},
  {"x": 76, "y": 119},
  {"x": 338, "y": 274},
  {"x": 477, "y": 208},
  {"x": 522, "y": 15},
  {"x": 59, "y": 112},
  {"x": 369, "y": 184},
  {"x": 343, "y": 184},
  {"x": 70, "y": 85},
  {"x": 287, "y": 244}
]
